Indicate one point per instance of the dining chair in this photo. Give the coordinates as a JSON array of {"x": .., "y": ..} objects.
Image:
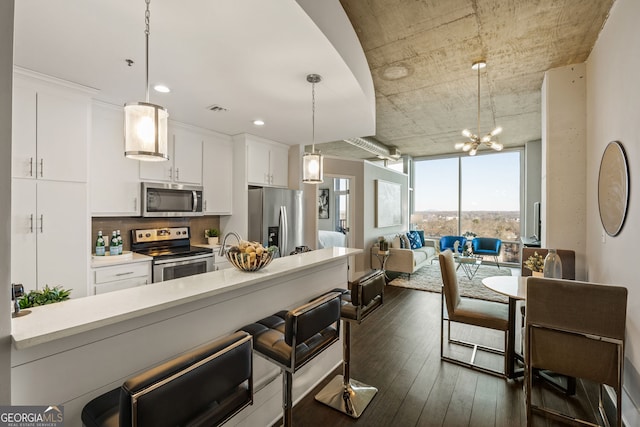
[
  {"x": 567, "y": 256},
  {"x": 575, "y": 329},
  {"x": 469, "y": 311}
]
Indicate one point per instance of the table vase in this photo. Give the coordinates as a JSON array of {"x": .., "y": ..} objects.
[{"x": 552, "y": 265}]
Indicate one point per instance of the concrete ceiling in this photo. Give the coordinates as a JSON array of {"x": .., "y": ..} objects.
[{"x": 420, "y": 55}]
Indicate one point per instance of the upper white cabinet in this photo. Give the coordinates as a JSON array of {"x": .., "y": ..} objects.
[
  {"x": 185, "y": 158},
  {"x": 50, "y": 131},
  {"x": 115, "y": 182},
  {"x": 217, "y": 170},
  {"x": 267, "y": 163}
]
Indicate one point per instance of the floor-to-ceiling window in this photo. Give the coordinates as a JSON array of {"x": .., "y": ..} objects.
[{"x": 471, "y": 196}]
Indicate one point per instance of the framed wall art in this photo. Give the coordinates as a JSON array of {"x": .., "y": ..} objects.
[
  {"x": 323, "y": 203},
  {"x": 388, "y": 203}
]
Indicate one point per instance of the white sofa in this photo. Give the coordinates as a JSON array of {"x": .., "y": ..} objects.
[{"x": 405, "y": 260}]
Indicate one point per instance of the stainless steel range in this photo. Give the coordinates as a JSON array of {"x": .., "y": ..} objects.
[{"x": 173, "y": 255}]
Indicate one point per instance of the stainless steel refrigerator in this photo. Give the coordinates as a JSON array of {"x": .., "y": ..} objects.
[{"x": 276, "y": 218}]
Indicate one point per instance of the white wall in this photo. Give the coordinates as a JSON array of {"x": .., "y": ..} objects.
[
  {"x": 613, "y": 107},
  {"x": 371, "y": 233},
  {"x": 563, "y": 167},
  {"x": 6, "y": 78}
]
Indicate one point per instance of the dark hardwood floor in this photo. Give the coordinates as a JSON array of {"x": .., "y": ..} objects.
[{"x": 397, "y": 350}]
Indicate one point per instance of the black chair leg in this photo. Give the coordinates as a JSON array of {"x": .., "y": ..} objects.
[{"x": 287, "y": 398}]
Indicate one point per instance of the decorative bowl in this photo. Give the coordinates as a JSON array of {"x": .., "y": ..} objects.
[{"x": 244, "y": 261}]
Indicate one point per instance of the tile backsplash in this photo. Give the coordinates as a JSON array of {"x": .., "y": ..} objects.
[{"x": 126, "y": 224}]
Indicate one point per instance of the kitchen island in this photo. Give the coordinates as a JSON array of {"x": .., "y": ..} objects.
[{"x": 71, "y": 352}]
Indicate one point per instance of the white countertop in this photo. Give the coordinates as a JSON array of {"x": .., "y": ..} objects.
[
  {"x": 114, "y": 260},
  {"x": 55, "y": 321}
]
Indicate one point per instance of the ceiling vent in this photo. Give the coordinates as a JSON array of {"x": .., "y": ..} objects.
[
  {"x": 217, "y": 108},
  {"x": 375, "y": 147}
]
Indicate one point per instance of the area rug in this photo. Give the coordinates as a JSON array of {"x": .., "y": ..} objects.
[{"x": 428, "y": 278}]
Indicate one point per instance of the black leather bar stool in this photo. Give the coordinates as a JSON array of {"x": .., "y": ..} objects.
[
  {"x": 349, "y": 396},
  {"x": 204, "y": 387},
  {"x": 290, "y": 339}
]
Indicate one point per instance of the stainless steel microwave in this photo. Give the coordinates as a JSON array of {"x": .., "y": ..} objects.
[{"x": 159, "y": 200}]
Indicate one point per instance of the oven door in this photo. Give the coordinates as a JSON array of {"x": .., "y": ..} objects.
[{"x": 181, "y": 267}]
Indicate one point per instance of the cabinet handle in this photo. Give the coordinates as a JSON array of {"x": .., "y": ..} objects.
[
  {"x": 41, "y": 223},
  {"x": 31, "y": 223},
  {"x": 124, "y": 274},
  {"x": 30, "y": 166},
  {"x": 41, "y": 167},
  {"x": 135, "y": 203},
  {"x": 205, "y": 205},
  {"x": 177, "y": 174}
]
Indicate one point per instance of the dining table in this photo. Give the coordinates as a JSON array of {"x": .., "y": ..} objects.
[{"x": 515, "y": 288}]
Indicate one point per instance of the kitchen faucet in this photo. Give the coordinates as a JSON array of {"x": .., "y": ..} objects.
[{"x": 224, "y": 241}]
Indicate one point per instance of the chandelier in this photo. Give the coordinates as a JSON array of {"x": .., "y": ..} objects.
[
  {"x": 145, "y": 124},
  {"x": 312, "y": 162},
  {"x": 475, "y": 140}
]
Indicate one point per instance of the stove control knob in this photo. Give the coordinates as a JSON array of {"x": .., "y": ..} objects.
[
  {"x": 147, "y": 235},
  {"x": 140, "y": 236}
]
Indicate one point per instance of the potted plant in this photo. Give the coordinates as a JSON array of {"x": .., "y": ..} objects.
[
  {"x": 212, "y": 235},
  {"x": 535, "y": 263},
  {"x": 383, "y": 245},
  {"x": 45, "y": 296}
]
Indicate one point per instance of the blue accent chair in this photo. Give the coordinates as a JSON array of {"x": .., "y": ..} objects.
[
  {"x": 446, "y": 242},
  {"x": 487, "y": 246}
]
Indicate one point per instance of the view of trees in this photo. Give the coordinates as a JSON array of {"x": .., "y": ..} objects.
[{"x": 504, "y": 225}]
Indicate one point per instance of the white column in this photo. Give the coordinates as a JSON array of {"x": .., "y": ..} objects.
[{"x": 563, "y": 169}]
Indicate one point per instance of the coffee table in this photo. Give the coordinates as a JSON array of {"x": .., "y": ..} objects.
[{"x": 469, "y": 264}]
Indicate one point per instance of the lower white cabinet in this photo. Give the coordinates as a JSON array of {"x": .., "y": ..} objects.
[
  {"x": 122, "y": 276},
  {"x": 49, "y": 244}
]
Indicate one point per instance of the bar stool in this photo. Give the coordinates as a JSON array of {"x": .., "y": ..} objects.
[
  {"x": 349, "y": 396},
  {"x": 206, "y": 386},
  {"x": 290, "y": 339}
]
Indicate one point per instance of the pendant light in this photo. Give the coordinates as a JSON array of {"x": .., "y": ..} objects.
[
  {"x": 474, "y": 139},
  {"x": 312, "y": 162},
  {"x": 145, "y": 124}
]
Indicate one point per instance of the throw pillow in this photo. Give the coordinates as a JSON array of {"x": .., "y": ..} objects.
[
  {"x": 414, "y": 240},
  {"x": 421, "y": 234},
  {"x": 405, "y": 240},
  {"x": 396, "y": 242}
]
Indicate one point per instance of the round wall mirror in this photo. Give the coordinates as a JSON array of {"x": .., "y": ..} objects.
[{"x": 613, "y": 188}]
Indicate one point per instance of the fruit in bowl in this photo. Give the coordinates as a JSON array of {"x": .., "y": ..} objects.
[{"x": 250, "y": 256}]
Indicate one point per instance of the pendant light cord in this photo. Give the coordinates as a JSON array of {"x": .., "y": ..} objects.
[
  {"x": 313, "y": 117},
  {"x": 147, "y": 15},
  {"x": 478, "y": 101}
]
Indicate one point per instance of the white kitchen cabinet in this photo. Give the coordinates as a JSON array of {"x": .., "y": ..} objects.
[
  {"x": 49, "y": 244},
  {"x": 50, "y": 131},
  {"x": 185, "y": 158},
  {"x": 217, "y": 170},
  {"x": 267, "y": 163},
  {"x": 114, "y": 179},
  {"x": 121, "y": 276}
]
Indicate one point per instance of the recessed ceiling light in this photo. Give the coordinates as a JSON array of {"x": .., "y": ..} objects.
[
  {"x": 161, "y": 89},
  {"x": 258, "y": 122}
]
